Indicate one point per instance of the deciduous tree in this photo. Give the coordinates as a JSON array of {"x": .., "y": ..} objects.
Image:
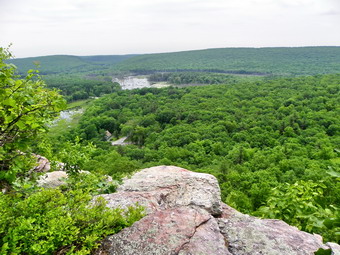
[{"x": 26, "y": 106}]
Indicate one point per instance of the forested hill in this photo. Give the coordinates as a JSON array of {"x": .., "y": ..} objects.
[
  {"x": 278, "y": 61},
  {"x": 67, "y": 63},
  {"x": 273, "y": 143},
  {"x": 262, "y": 61}
]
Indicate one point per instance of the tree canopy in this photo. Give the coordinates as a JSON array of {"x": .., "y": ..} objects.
[
  {"x": 253, "y": 136},
  {"x": 26, "y": 107}
]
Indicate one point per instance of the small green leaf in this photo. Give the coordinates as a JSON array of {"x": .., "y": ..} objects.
[
  {"x": 323, "y": 252},
  {"x": 9, "y": 102},
  {"x": 334, "y": 174},
  {"x": 20, "y": 124}
]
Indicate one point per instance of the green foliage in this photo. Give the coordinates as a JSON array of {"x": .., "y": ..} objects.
[
  {"x": 69, "y": 156},
  {"x": 258, "y": 61},
  {"x": 302, "y": 204},
  {"x": 92, "y": 182},
  {"x": 52, "y": 64},
  {"x": 179, "y": 78},
  {"x": 253, "y": 136},
  {"x": 26, "y": 105},
  {"x": 278, "y": 61},
  {"x": 67, "y": 63},
  {"x": 50, "y": 221},
  {"x": 74, "y": 155},
  {"x": 78, "y": 104},
  {"x": 80, "y": 86},
  {"x": 111, "y": 163},
  {"x": 323, "y": 252},
  {"x": 47, "y": 221}
]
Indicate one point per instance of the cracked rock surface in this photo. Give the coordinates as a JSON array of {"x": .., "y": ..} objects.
[{"x": 185, "y": 215}]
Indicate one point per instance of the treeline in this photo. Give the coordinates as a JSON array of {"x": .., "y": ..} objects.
[
  {"x": 68, "y": 64},
  {"x": 260, "y": 139},
  {"x": 77, "y": 87},
  {"x": 37, "y": 220},
  {"x": 264, "y": 61},
  {"x": 179, "y": 78},
  {"x": 276, "y": 61},
  {"x": 54, "y": 64}
]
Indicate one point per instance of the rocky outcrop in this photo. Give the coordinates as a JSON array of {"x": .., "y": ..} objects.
[
  {"x": 43, "y": 164},
  {"x": 57, "y": 178},
  {"x": 251, "y": 235},
  {"x": 166, "y": 187},
  {"x": 52, "y": 179},
  {"x": 185, "y": 215}
]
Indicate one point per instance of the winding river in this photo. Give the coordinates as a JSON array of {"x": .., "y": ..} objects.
[
  {"x": 137, "y": 82},
  {"x": 126, "y": 83}
]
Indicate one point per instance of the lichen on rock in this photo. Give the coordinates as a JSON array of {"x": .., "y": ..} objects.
[{"x": 185, "y": 215}]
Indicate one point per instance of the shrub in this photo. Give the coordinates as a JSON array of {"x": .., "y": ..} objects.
[
  {"x": 46, "y": 221},
  {"x": 300, "y": 204}
]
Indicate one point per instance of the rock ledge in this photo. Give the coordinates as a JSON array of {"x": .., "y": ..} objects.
[{"x": 185, "y": 215}]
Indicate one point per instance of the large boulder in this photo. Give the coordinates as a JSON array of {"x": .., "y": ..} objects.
[
  {"x": 249, "y": 235},
  {"x": 57, "y": 178},
  {"x": 43, "y": 164},
  {"x": 181, "y": 230},
  {"x": 52, "y": 179},
  {"x": 185, "y": 215},
  {"x": 164, "y": 187}
]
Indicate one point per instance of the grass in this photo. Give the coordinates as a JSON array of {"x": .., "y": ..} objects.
[
  {"x": 78, "y": 103},
  {"x": 63, "y": 125}
]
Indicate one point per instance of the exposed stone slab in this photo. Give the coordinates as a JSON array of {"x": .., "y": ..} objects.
[
  {"x": 249, "y": 235},
  {"x": 178, "y": 186},
  {"x": 173, "y": 231},
  {"x": 185, "y": 216}
]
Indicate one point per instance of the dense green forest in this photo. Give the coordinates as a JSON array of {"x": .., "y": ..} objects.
[
  {"x": 253, "y": 136},
  {"x": 77, "y": 87},
  {"x": 77, "y": 77},
  {"x": 67, "y": 63},
  {"x": 35, "y": 220},
  {"x": 200, "y": 78},
  {"x": 82, "y": 77},
  {"x": 273, "y": 142},
  {"x": 262, "y": 61},
  {"x": 277, "y": 61}
]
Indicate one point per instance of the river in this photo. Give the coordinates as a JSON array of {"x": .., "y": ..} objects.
[
  {"x": 67, "y": 115},
  {"x": 137, "y": 82},
  {"x": 126, "y": 83}
]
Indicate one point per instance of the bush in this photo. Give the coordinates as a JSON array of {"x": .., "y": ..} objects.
[
  {"x": 50, "y": 221},
  {"x": 300, "y": 204},
  {"x": 26, "y": 105}
]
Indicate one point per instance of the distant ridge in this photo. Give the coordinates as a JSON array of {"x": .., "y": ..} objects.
[
  {"x": 55, "y": 64},
  {"x": 269, "y": 60},
  {"x": 277, "y": 61},
  {"x": 107, "y": 59}
]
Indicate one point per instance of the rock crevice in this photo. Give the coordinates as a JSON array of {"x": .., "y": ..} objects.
[
  {"x": 195, "y": 230},
  {"x": 185, "y": 215}
]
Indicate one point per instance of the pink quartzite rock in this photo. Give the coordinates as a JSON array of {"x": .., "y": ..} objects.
[
  {"x": 173, "y": 231},
  {"x": 171, "y": 187},
  {"x": 248, "y": 235},
  {"x": 43, "y": 164},
  {"x": 185, "y": 216},
  {"x": 52, "y": 179}
]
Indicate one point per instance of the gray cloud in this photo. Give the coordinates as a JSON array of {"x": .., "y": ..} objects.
[
  {"x": 332, "y": 13},
  {"x": 84, "y": 27}
]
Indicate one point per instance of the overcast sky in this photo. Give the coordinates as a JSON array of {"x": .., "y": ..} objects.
[{"x": 108, "y": 27}]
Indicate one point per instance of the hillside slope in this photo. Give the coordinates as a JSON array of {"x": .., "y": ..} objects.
[
  {"x": 258, "y": 61},
  {"x": 67, "y": 63},
  {"x": 253, "y": 136},
  {"x": 278, "y": 61},
  {"x": 186, "y": 216}
]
